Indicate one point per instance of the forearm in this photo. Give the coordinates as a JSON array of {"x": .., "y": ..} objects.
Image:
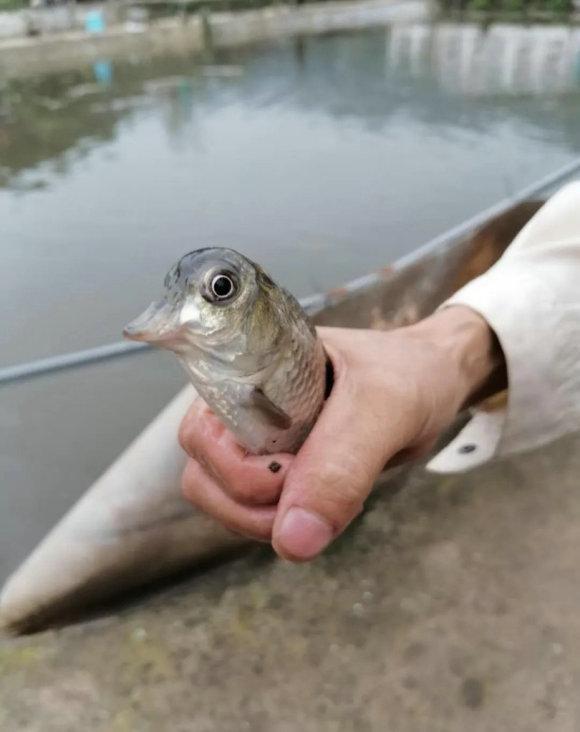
[
  {"x": 531, "y": 300},
  {"x": 473, "y": 353}
]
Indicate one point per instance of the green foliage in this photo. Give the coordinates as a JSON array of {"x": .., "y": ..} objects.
[
  {"x": 481, "y": 6},
  {"x": 513, "y": 6},
  {"x": 541, "y": 8},
  {"x": 13, "y": 4},
  {"x": 558, "y": 6}
]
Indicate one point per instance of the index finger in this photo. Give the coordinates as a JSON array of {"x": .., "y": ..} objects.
[{"x": 248, "y": 479}]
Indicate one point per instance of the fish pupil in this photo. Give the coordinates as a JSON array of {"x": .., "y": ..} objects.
[{"x": 222, "y": 286}]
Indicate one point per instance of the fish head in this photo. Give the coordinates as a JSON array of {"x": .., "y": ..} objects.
[{"x": 213, "y": 296}]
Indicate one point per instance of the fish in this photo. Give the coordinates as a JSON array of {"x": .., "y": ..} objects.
[{"x": 248, "y": 347}]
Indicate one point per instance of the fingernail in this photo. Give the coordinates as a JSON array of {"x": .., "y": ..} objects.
[{"x": 303, "y": 534}]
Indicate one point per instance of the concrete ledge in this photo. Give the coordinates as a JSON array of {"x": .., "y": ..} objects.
[
  {"x": 451, "y": 605},
  {"x": 186, "y": 34}
]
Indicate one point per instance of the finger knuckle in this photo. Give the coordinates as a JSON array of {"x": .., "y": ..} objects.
[
  {"x": 340, "y": 493},
  {"x": 249, "y": 492},
  {"x": 256, "y": 533},
  {"x": 239, "y": 490},
  {"x": 192, "y": 474},
  {"x": 186, "y": 434}
]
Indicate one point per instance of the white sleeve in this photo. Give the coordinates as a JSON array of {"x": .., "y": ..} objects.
[{"x": 531, "y": 299}]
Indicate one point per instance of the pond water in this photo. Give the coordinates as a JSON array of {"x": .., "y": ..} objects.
[{"x": 321, "y": 157}]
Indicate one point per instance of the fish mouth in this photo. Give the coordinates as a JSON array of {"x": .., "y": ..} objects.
[{"x": 159, "y": 325}]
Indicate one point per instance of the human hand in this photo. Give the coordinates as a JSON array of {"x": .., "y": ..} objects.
[{"x": 393, "y": 394}]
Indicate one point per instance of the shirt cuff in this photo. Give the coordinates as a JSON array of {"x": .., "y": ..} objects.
[
  {"x": 540, "y": 337},
  {"x": 531, "y": 299}
]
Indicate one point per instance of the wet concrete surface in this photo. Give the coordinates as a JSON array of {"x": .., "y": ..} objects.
[{"x": 451, "y": 605}]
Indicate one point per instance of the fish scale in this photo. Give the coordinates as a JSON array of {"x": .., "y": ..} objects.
[{"x": 246, "y": 345}]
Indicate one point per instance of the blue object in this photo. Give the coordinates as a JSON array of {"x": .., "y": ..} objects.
[
  {"x": 103, "y": 71},
  {"x": 95, "y": 22}
]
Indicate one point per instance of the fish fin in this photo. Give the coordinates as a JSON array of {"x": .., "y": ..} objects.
[{"x": 276, "y": 416}]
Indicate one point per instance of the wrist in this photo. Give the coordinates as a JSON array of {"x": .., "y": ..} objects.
[{"x": 471, "y": 350}]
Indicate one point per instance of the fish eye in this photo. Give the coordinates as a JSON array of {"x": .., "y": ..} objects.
[{"x": 222, "y": 286}]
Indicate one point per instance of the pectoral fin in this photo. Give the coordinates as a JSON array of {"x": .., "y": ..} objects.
[{"x": 276, "y": 416}]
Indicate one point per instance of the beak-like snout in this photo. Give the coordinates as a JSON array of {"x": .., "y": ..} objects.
[{"x": 159, "y": 325}]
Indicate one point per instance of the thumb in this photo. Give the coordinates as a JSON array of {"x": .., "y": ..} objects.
[{"x": 332, "y": 475}]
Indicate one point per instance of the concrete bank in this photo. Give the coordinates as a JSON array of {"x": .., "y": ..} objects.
[
  {"x": 452, "y": 605},
  {"x": 46, "y": 20},
  {"x": 191, "y": 34}
]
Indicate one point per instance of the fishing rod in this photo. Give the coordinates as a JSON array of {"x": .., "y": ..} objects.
[{"x": 312, "y": 303}]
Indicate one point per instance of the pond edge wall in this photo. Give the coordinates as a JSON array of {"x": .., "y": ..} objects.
[{"x": 194, "y": 33}]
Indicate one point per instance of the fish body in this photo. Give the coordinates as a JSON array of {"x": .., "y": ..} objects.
[{"x": 246, "y": 344}]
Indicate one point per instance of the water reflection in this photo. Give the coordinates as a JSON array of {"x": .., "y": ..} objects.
[
  {"x": 306, "y": 149},
  {"x": 103, "y": 71},
  {"x": 499, "y": 59},
  {"x": 43, "y": 118}
]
